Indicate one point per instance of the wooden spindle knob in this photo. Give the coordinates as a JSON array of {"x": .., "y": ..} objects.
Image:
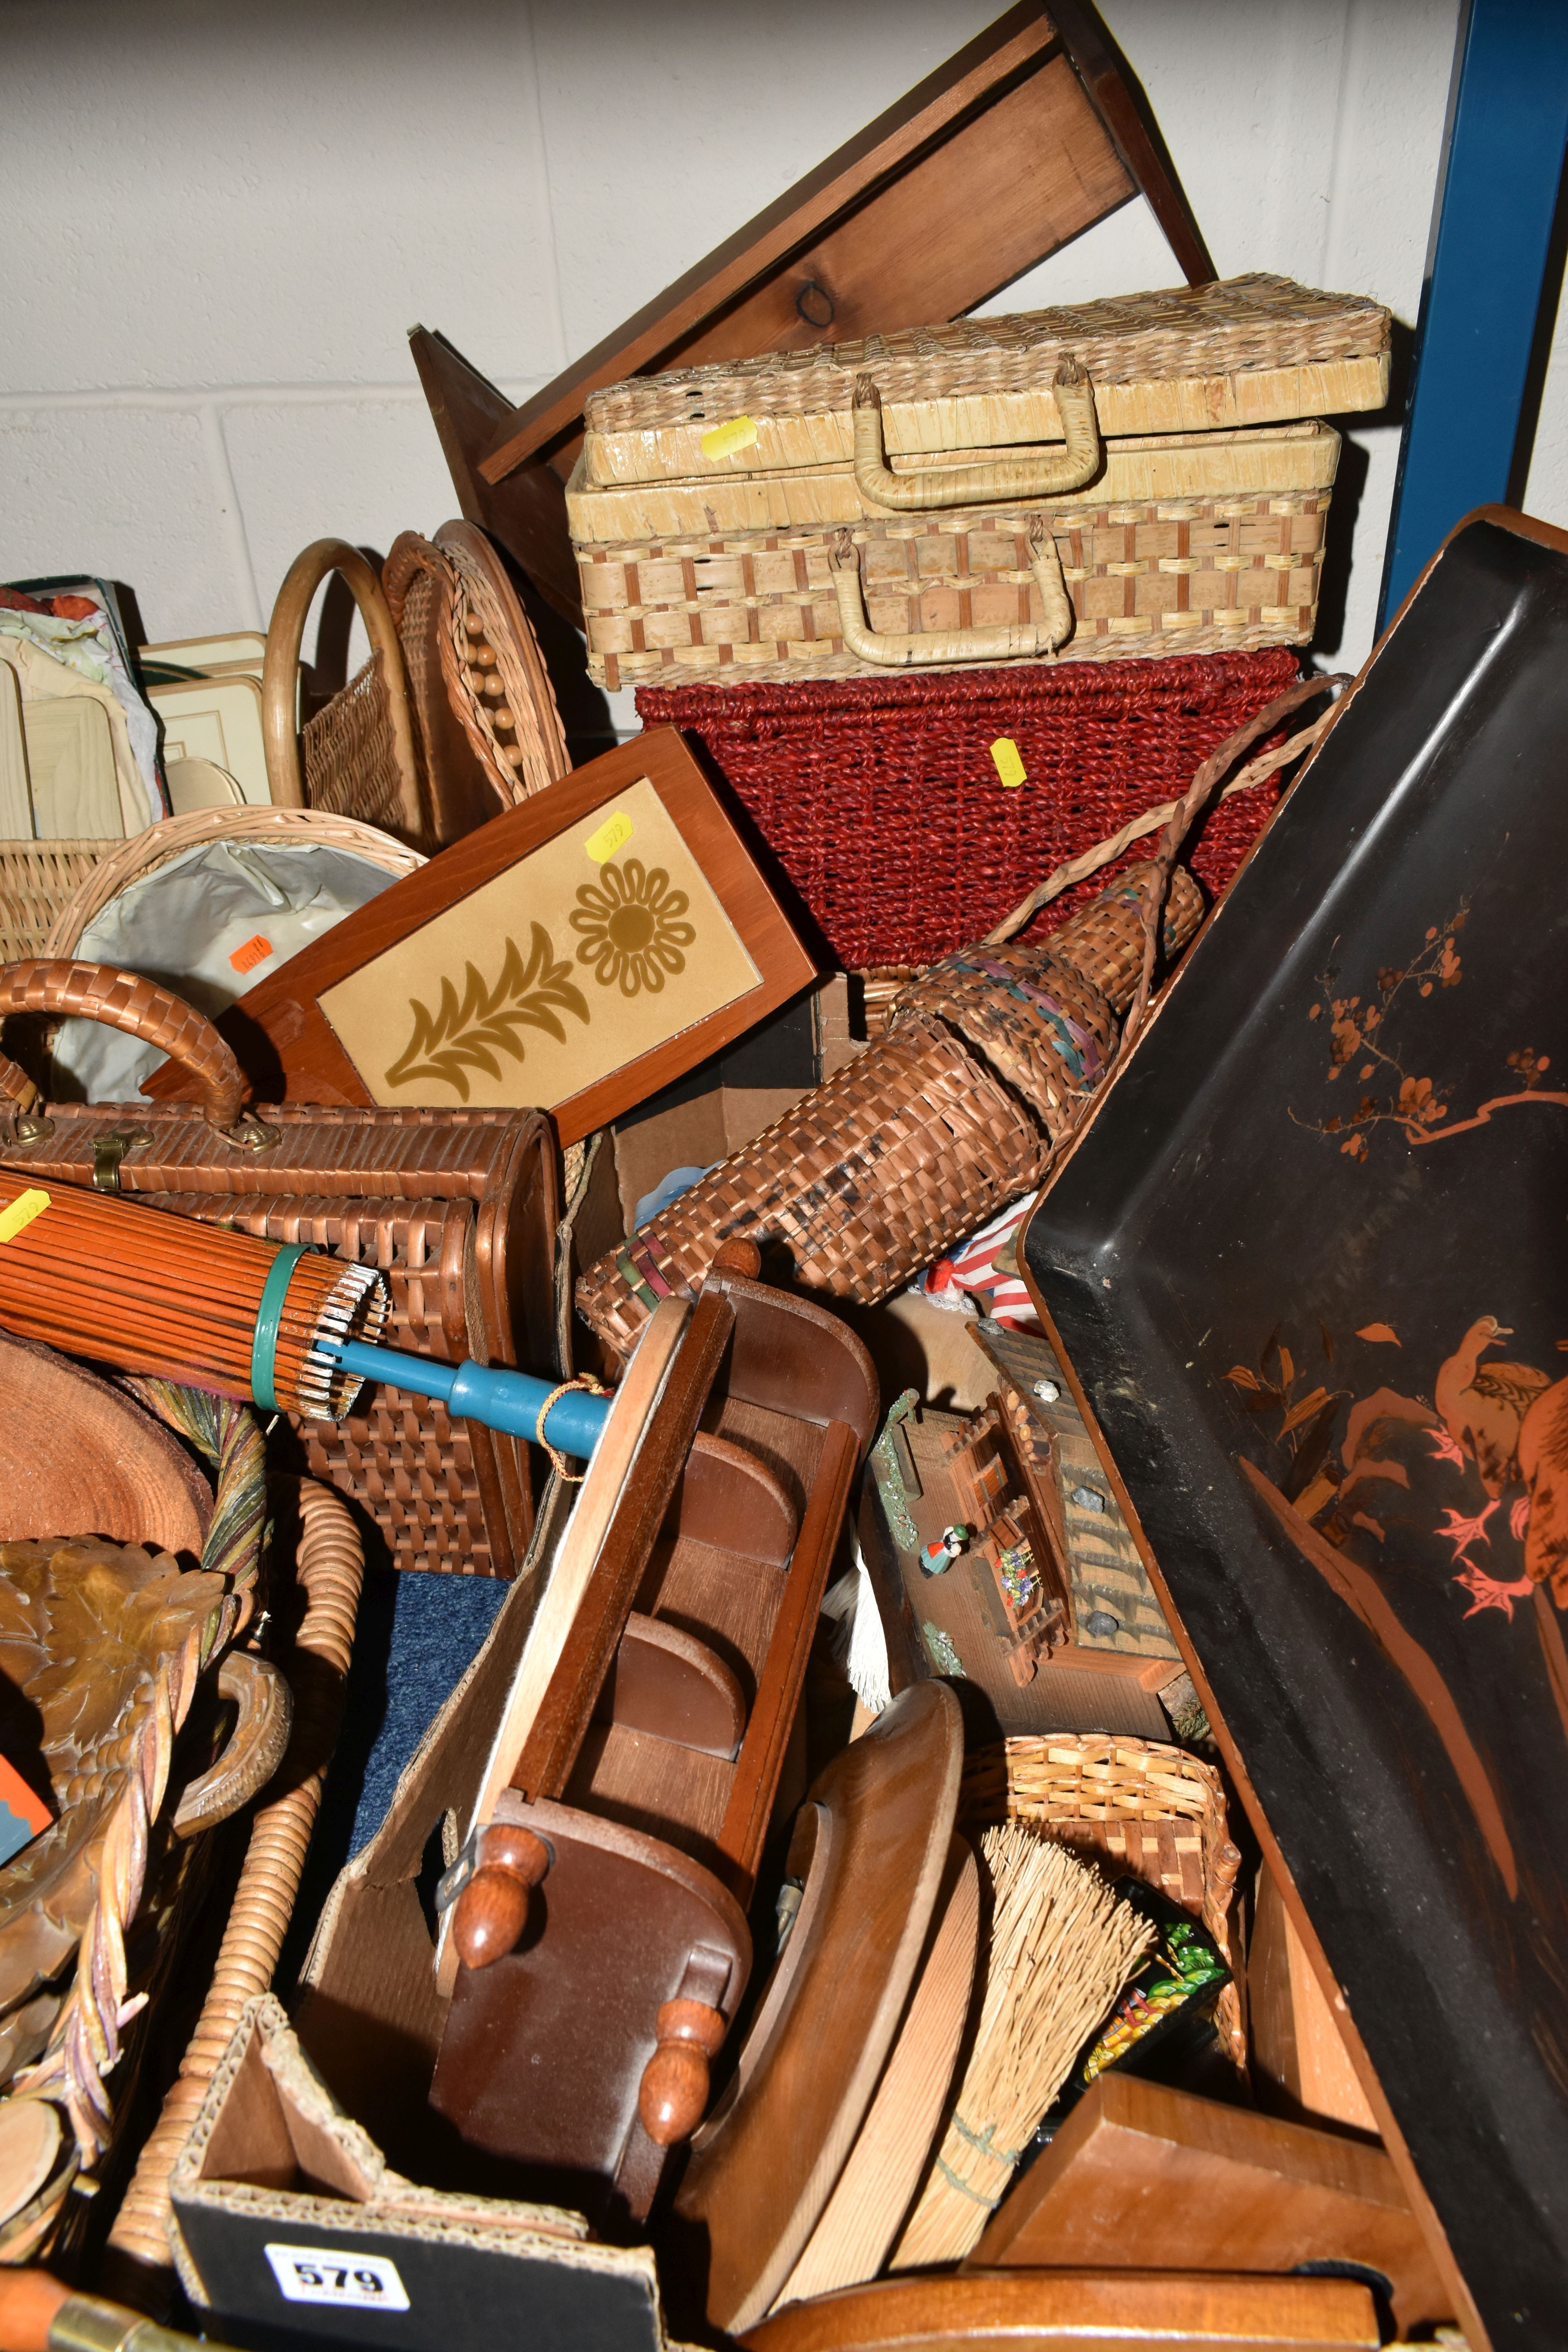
[
  {"x": 738, "y": 1255},
  {"x": 492, "y": 1909},
  {"x": 501, "y": 716},
  {"x": 473, "y": 625},
  {"x": 493, "y": 687},
  {"x": 673, "y": 2096}
]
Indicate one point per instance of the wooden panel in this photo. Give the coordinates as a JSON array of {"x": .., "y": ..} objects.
[
  {"x": 952, "y": 105},
  {"x": 649, "y": 1784},
  {"x": 527, "y": 512},
  {"x": 872, "y": 1846},
  {"x": 1030, "y": 173},
  {"x": 666, "y": 1683},
  {"x": 730, "y": 1602},
  {"x": 1301, "y": 2068},
  {"x": 860, "y": 2220},
  {"x": 1149, "y": 2178},
  {"x": 1077, "y": 2311}
]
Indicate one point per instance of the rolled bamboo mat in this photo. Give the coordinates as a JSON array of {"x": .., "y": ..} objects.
[{"x": 331, "y": 1567}]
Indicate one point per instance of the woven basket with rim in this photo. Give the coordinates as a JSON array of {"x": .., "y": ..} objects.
[
  {"x": 133, "y": 860},
  {"x": 452, "y": 718},
  {"x": 1153, "y": 1811},
  {"x": 50, "y": 890},
  {"x": 880, "y": 799}
]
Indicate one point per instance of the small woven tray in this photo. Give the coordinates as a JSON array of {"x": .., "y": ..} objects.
[{"x": 1151, "y": 1809}]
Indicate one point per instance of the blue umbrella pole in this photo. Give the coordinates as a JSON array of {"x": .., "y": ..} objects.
[{"x": 483, "y": 1393}]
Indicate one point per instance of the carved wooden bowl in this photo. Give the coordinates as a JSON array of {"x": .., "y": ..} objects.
[{"x": 78, "y": 1456}]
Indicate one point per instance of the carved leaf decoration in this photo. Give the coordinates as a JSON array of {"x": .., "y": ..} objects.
[{"x": 468, "y": 1034}]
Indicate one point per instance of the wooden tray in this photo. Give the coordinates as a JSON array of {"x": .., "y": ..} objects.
[{"x": 1284, "y": 1310}]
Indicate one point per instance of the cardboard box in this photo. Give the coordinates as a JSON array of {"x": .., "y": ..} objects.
[{"x": 292, "y": 2229}]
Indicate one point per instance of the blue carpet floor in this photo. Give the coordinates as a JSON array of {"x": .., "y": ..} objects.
[{"x": 415, "y": 1636}]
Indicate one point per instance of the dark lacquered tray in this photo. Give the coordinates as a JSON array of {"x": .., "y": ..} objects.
[{"x": 1311, "y": 1267}]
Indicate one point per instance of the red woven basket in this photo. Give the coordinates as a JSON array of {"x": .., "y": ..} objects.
[{"x": 880, "y": 799}]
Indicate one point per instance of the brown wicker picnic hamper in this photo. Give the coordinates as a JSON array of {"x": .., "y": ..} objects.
[
  {"x": 452, "y": 718},
  {"x": 457, "y": 1208},
  {"x": 1153, "y": 1811},
  {"x": 955, "y": 1110}
]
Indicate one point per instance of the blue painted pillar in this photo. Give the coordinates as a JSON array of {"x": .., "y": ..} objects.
[{"x": 1497, "y": 195}]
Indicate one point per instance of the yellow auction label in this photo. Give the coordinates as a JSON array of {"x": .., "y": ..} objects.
[
  {"x": 21, "y": 1212},
  {"x": 1009, "y": 766},
  {"x": 613, "y": 834},
  {"x": 723, "y": 440}
]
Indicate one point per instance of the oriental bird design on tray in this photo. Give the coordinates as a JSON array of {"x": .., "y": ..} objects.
[
  {"x": 468, "y": 1033},
  {"x": 631, "y": 927},
  {"x": 1424, "y": 1477},
  {"x": 1372, "y": 1487}
]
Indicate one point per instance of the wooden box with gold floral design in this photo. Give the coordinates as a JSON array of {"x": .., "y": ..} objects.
[{"x": 574, "y": 955}]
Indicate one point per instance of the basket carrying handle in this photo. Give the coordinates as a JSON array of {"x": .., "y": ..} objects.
[
  {"x": 285, "y": 636},
  {"x": 1043, "y": 474},
  {"x": 920, "y": 647},
  {"x": 128, "y": 1001}
]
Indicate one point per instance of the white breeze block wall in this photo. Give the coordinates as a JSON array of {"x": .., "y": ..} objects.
[{"x": 224, "y": 215}]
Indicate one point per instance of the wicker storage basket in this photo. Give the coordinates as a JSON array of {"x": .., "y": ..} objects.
[
  {"x": 457, "y": 1207},
  {"x": 1153, "y": 1811},
  {"x": 880, "y": 799},
  {"x": 133, "y": 860},
  {"x": 956, "y": 1110},
  {"x": 1236, "y": 353}
]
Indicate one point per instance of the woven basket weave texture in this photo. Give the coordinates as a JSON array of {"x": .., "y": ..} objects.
[
  {"x": 1151, "y": 1811},
  {"x": 881, "y": 801},
  {"x": 1040, "y": 1022},
  {"x": 955, "y": 1110},
  {"x": 1231, "y": 325}
]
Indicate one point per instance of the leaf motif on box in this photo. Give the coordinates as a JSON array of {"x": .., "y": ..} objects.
[{"x": 468, "y": 1034}]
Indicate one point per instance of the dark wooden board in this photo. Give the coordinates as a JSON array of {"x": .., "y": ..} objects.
[
  {"x": 289, "y": 1049},
  {"x": 1339, "y": 1147}
]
